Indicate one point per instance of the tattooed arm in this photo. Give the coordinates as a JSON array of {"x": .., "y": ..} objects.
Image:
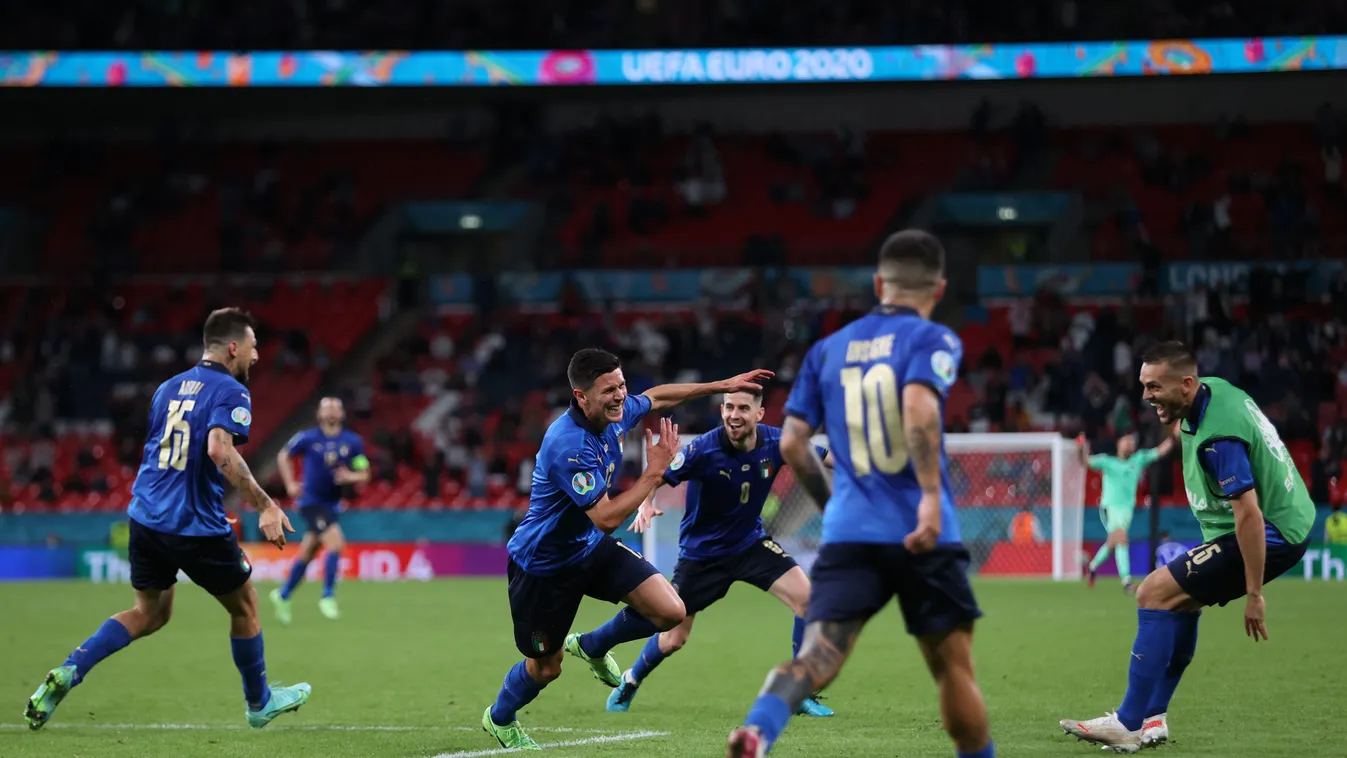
[
  {"x": 273, "y": 523},
  {"x": 220, "y": 448},
  {"x": 922, "y": 429},
  {"x": 799, "y": 453}
]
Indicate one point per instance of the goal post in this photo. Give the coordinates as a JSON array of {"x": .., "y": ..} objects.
[{"x": 1020, "y": 500}]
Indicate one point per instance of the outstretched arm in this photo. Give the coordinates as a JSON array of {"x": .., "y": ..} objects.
[
  {"x": 799, "y": 453},
  {"x": 667, "y": 396}
]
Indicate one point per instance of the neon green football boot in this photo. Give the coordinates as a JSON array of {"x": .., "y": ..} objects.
[
  {"x": 282, "y": 606},
  {"x": 52, "y": 691},
  {"x": 511, "y": 736},
  {"x": 328, "y": 607},
  {"x": 605, "y": 669}
]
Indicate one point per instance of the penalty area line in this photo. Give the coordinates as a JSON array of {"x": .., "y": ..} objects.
[{"x": 619, "y": 737}]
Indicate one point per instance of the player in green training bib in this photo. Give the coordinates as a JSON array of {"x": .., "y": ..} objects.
[
  {"x": 1255, "y": 514},
  {"x": 1118, "y": 501}
]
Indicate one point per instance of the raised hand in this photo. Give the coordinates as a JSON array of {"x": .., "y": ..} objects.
[
  {"x": 659, "y": 455},
  {"x": 751, "y": 381}
]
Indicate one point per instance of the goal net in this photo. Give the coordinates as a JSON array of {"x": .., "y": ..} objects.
[{"x": 1020, "y": 500}]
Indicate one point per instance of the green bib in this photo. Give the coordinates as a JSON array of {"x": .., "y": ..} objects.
[{"x": 1282, "y": 495}]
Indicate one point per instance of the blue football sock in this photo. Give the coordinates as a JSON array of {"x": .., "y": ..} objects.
[
  {"x": 517, "y": 691},
  {"x": 650, "y": 657},
  {"x": 297, "y": 570},
  {"x": 796, "y": 637},
  {"x": 253, "y": 667},
  {"x": 331, "y": 567},
  {"x": 1151, "y": 653},
  {"x": 1185, "y": 644},
  {"x": 986, "y": 752},
  {"x": 626, "y": 626},
  {"x": 769, "y": 714},
  {"x": 109, "y": 638}
]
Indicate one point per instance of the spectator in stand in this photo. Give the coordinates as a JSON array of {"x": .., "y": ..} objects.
[
  {"x": 1024, "y": 528},
  {"x": 1335, "y": 526}
]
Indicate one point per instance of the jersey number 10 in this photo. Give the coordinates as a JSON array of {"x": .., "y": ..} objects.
[
  {"x": 177, "y": 435},
  {"x": 874, "y": 420}
]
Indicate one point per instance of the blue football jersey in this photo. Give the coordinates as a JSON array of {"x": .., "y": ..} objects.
[
  {"x": 850, "y": 385},
  {"x": 178, "y": 489},
  {"x": 573, "y": 470},
  {"x": 322, "y": 456},
  {"x": 726, "y": 491}
]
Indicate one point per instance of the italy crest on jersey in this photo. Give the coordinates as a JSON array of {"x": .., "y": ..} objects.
[{"x": 766, "y": 468}]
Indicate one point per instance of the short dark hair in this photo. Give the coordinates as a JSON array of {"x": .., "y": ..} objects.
[
  {"x": 226, "y": 325},
  {"x": 755, "y": 392},
  {"x": 912, "y": 259},
  {"x": 588, "y": 365},
  {"x": 1174, "y": 354}
]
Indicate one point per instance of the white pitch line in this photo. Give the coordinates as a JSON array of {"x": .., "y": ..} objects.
[
  {"x": 299, "y": 728},
  {"x": 620, "y": 737}
]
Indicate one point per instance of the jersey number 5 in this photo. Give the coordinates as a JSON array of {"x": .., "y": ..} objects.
[
  {"x": 874, "y": 420},
  {"x": 177, "y": 435}
]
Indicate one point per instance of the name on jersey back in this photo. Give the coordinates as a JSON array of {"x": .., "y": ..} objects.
[{"x": 861, "y": 351}]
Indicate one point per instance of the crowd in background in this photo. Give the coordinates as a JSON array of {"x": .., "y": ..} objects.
[{"x": 92, "y": 365}]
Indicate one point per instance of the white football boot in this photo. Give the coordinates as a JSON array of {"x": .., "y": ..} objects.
[
  {"x": 1155, "y": 732},
  {"x": 1106, "y": 731}
]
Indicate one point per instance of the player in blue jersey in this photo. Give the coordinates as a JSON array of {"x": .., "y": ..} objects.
[
  {"x": 730, "y": 472},
  {"x": 877, "y": 388},
  {"x": 563, "y": 549},
  {"x": 334, "y": 457},
  {"x": 178, "y": 522}
]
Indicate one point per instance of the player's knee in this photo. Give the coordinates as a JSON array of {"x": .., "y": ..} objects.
[
  {"x": 669, "y": 614},
  {"x": 1154, "y": 593},
  {"x": 674, "y": 640},
  {"x": 154, "y": 618},
  {"x": 544, "y": 670}
]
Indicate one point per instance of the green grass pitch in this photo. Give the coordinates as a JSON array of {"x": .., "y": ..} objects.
[{"x": 410, "y": 667}]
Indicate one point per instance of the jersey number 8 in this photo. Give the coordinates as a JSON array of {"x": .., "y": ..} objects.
[
  {"x": 177, "y": 435},
  {"x": 874, "y": 420}
]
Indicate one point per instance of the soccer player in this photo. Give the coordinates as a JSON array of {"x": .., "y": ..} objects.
[
  {"x": 563, "y": 549},
  {"x": 333, "y": 458},
  {"x": 1118, "y": 501},
  {"x": 877, "y": 388},
  {"x": 1256, "y": 516},
  {"x": 178, "y": 522},
  {"x": 730, "y": 472}
]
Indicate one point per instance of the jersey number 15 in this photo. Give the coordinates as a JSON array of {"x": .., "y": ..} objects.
[
  {"x": 874, "y": 420},
  {"x": 177, "y": 435}
]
